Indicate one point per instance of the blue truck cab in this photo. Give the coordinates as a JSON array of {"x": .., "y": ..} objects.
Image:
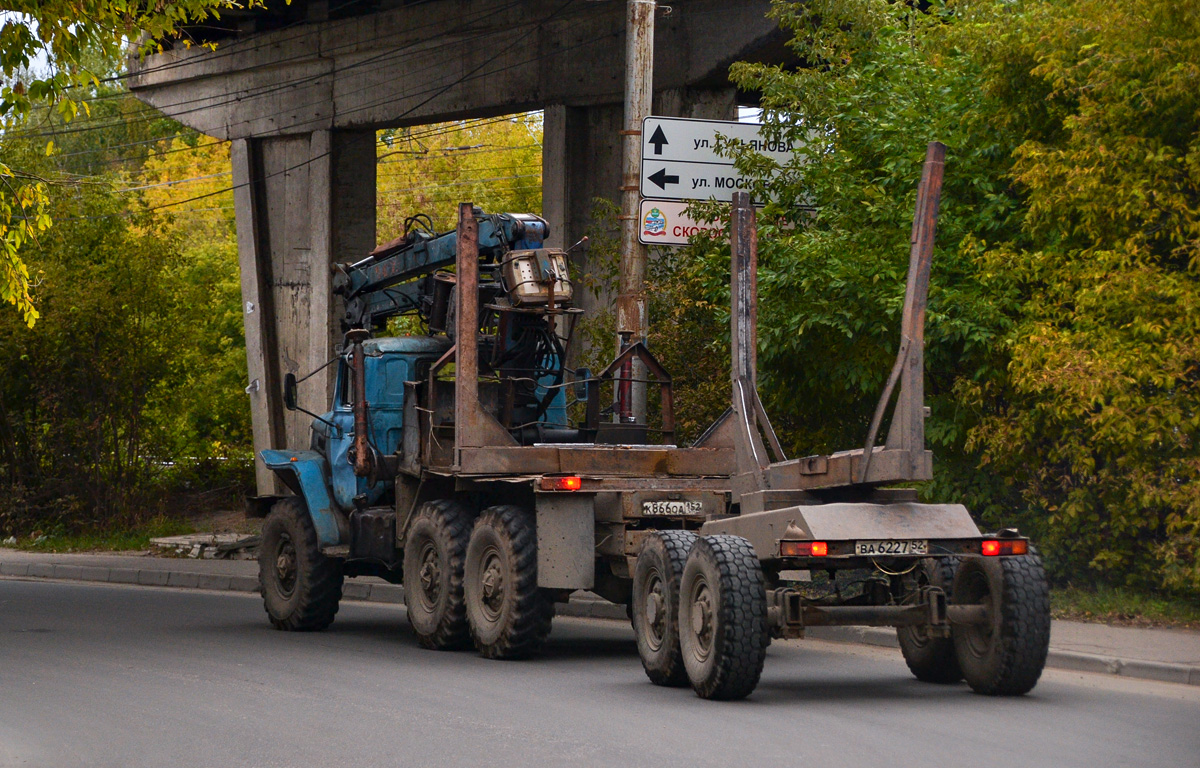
[{"x": 323, "y": 475}]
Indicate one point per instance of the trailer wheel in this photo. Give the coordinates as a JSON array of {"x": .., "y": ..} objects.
[
  {"x": 434, "y": 553},
  {"x": 655, "y": 606},
  {"x": 723, "y": 617},
  {"x": 300, "y": 586},
  {"x": 930, "y": 658},
  {"x": 1005, "y": 656},
  {"x": 508, "y": 615}
]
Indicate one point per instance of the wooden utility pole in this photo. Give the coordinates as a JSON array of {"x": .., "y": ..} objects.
[{"x": 632, "y": 321}]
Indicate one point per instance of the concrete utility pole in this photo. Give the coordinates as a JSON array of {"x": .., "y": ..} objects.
[{"x": 631, "y": 301}]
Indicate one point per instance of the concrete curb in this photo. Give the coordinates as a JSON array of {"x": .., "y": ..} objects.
[
  {"x": 585, "y": 607},
  {"x": 1057, "y": 658}
]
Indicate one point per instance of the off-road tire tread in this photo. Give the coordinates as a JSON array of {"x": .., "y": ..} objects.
[
  {"x": 936, "y": 662},
  {"x": 1024, "y": 629},
  {"x": 319, "y": 588},
  {"x": 675, "y": 546},
  {"x": 741, "y": 645},
  {"x": 454, "y": 522},
  {"x": 534, "y": 609}
]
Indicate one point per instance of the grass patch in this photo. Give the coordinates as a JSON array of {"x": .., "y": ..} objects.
[
  {"x": 1118, "y": 605},
  {"x": 107, "y": 540}
]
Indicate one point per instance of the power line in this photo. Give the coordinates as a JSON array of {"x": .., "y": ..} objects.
[
  {"x": 436, "y": 92},
  {"x": 326, "y": 153}
]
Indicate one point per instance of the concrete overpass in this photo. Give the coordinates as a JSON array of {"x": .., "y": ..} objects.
[{"x": 301, "y": 89}]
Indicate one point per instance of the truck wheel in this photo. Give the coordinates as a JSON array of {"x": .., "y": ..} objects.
[
  {"x": 509, "y": 616},
  {"x": 1005, "y": 656},
  {"x": 931, "y": 658},
  {"x": 434, "y": 553},
  {"x": 655, "y": 606},
  {"x": 723, "y": 617},
  {"x": 300, "y": 586}
]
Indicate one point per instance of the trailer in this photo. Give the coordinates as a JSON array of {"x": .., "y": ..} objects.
[{"x": 470, "y": 464}]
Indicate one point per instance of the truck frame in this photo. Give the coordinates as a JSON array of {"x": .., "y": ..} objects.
[{"x": 483, "y": 498}]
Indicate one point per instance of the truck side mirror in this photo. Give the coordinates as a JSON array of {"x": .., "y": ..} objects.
[
  {"x": 581, "y": 383},
  {"x": 289, "y": 391}
]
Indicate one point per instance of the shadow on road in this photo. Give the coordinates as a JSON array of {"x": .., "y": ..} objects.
[{"x": 591, "y": 648}]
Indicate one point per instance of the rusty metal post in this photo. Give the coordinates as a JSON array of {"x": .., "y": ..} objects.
[
  {"x": 466, "y": 326},
  {"x": 473, "y": 426},
  {"x": 632, "y": 321},
  {"x": 743, "y": 236},
  {"x": 363, "y": 458},
  {"x": 743, "y": 337},
  {"x": 908, "y": 424},
  {"x": 907, "y": 431}
]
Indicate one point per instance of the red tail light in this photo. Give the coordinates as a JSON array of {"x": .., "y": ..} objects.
[
  {"x": 561, "y": 483},
  {"x": 803, "y": 548},
  {"x": 993, "y": 547}
]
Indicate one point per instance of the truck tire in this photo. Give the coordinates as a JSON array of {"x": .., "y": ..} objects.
[
  {"x": 300, "y": 586},
  {"x": 655, "y": 605},
  {"x": 723, "y": 617},
  {"x": 508, "y": 615},
  {"x": 929, "y": 657},
  {"x": 1004, "y": 657},
  {"x": 434, "y": 553}
]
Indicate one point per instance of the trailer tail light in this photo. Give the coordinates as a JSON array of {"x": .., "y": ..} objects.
[
  {"x": 803, "y": 548},
  {"x": 561, "y": 483},
  {"x": 993, "y": 547}
]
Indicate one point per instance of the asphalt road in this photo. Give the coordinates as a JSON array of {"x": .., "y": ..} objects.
[{"x": 109, "y": 676}]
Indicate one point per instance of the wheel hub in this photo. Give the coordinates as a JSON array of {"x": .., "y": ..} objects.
[
  {"x": 702, "y": 619},
  {"x": 430, "y": 574},
  {"x": 285, "y": 565},
  {"x": 656, "y": 614},
  {"x": 492, "y": 582}
]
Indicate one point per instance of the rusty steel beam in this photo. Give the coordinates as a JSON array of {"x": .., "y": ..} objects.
[
  {"x": 743, "y": 239},
  {"x": 473, "y": 426},
  {"x": 907, "y": 432},
  {"x": 748, "y": 411}
]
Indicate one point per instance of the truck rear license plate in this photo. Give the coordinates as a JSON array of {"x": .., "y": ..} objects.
[
  {"x": 892, "y": 547},
  {"x": 672, "y": 508}
]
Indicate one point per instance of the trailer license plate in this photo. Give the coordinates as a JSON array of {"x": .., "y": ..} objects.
[
  {"x": 892, "y": 547},
  {"x": 672, "y": 508}
]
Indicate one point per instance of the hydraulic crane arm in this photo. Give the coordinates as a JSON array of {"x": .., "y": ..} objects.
[{"x": 388, "y": 282}]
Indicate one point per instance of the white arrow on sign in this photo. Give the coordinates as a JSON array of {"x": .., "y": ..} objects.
[
  {"x": 678, "y": 180},
  {"x": 695, "y": 141}
]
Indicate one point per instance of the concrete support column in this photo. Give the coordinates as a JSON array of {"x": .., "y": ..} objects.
[{"x": 302, "y": 203}]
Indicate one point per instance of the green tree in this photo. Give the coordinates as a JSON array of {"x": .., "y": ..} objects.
[
  {"x": 44, "y": 50},
  {"x": 1062, "y": 365},
  {"x": 495, "y": 163}
]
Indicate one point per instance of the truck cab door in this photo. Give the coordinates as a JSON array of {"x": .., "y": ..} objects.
[
  {"x": 385, "y": 374},
  {"x": 345, "y": 485}
]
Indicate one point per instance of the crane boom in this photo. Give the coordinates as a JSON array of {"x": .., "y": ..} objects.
[{"x": 392, "y": 279}]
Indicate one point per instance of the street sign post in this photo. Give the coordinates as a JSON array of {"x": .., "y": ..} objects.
[{"x": 680, "y": 161}]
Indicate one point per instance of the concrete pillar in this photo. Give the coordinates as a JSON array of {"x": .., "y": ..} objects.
[
  {"x": 698, "y": 103},
  {"x": 302, "y": 203},
  {"x": 554, "y": 177}
]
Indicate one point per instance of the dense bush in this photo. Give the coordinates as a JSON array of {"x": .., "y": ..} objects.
[{"x": 1063, "y": 367}]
